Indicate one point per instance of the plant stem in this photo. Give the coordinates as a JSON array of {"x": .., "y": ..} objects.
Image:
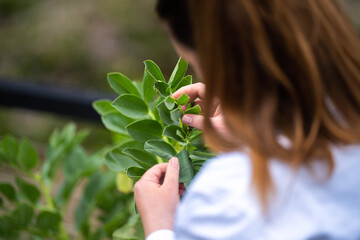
[{"x": 45, "y": 189}]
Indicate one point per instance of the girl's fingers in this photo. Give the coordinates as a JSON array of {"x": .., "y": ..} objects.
[
  {"x": 194, "y": 91},
  {"x": 193, "y": 120},
  {"x": 155, "y": 174},
  {"x": 172, "y": 174}
]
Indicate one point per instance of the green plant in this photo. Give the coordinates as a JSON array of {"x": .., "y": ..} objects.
[
  {"x": 147, "y": 121},
  {"x": 31, "y": 209}
]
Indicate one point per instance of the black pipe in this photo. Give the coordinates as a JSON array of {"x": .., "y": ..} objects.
[{"x": 72, "y": 103}]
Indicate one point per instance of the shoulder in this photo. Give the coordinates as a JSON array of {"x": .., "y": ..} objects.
[{"x": 223, "y": 170}]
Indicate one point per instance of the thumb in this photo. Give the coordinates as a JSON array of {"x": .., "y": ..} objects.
[
  {"x": 172, "y": 174},
  {"x": 193, "y": 120}
]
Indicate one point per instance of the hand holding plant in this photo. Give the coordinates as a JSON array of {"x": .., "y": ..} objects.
[
  {"x": 147, "y": 121},
  {"x": 156, "y": 196}
]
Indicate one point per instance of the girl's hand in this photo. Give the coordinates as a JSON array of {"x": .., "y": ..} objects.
[
  {"x": 196, "y": 92},
  {"x": 157, "y": 194}
]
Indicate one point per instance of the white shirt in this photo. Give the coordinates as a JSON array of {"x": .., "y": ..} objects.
[{"x": 221, "y": 204}]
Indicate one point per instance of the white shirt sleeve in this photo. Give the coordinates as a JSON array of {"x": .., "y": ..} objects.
[
  {"x": 163, "y": 234},
  {"x": 218, "y": 204}
]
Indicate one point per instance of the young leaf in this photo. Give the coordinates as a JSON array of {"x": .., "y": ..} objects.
[
  {"x": 184, "y": 82},
  {"x": 164, "y": 113},
  {"x": 117, "y": 161},
  {"x": 169, "y": 102},
  {"x": 160, "y": 148},
  {"x": 144, "y": 130},
  {"x": 135, "y": 173},
  {"x": 186, "y": 168},
  {"x": 10, "y": 148},
  {"x": 162, "y": 88},
  {"x": 23, "y": 214},
  {"x": 171, "y": 131},
  {"x": 27, "y": 155},
  {"x": 175, "y": 115},
  {"x": 48, "y": 221},
  {"x": 148, "y": 86},
  {"x": 144, "y": 159},
  {"x": 8, "y": 191},
  {"x": 154, "y": 70},
  {"x": 121, "y": 84},
  {"x": 193, "y": 110},
  {"x": 183, "y": 99},
  {"x": 131, "y": 106},
  {"x": 116, "y": 122},
  {"x": 178, "y": 73},
  {"x": 28, "y": 190},
  {"x": 103, "y": 106}
]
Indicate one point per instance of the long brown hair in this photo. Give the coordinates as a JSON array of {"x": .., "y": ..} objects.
[{"x": 286, "y": 68}]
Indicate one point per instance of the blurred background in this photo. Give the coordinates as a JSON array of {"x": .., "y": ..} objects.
[{"x": 73, "y": 45}]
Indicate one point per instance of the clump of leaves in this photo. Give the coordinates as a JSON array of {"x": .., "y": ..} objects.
[
  {"x": 147, "y": 121},
  {"x": 30, "y": 209}
]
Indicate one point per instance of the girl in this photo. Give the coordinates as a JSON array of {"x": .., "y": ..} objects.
[{"x": 281, "y": 106}]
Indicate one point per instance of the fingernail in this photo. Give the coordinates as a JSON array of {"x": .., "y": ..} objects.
[
  {"x": 187, "y": 119},
  {"x": 174, "y": 162}
]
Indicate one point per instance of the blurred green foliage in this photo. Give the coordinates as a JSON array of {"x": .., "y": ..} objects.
[{"x": 77, "y": 42}]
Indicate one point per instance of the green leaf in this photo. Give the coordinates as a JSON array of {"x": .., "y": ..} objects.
[
  {"x": 103, "y": 106},
  {"x": 131, "y": 144},
  {"x": 28, "y": 190},
  {"x": 195, "y": 139},
  {"x": 8, "y": 191},
  {"x": 23, "y": 214},
  {"x": 68, "y": 132},
  {"x": 9, "y": 228},
  {"x": 131, "y": 106},
  {"x": 135, "y": 173},
  {"x": 98, "y": 184},
  {"x": 148, "y": 86},
  {"x": 173, "y": 131},
  {"x": 164, "y": 113},
  {"x": 48, "y": 221},
  {"x": 10, "y": 148},
  {"x": 169, "y": 102},
  {"x": 184, "y": 82},
  {"x": 183, "y": 99},
  {"x": 186, "y": 168},
  {"x": 175, "y": 116},
  {"x": 27, "y": 155},
  {"x": 201, "y": 155},
  {"x": 132, "y": 230},
  {"x": 178, "y": 73},
  {"x": 75, "y": 164},
  {"x": 144, "y": 130},
  {"x": 2, "y": 155},
  {"x": 122, "y": 84},
  {"x": 160, "y": 148},
  {"x": 162, "y": 88},
  {"x": 144, "y": 159},
  {"x": 117, "y": 161},
  {"x": 154, "y": 70},
  {"x": 194, "y": 110},
  {"x": 116, "y": 122}
]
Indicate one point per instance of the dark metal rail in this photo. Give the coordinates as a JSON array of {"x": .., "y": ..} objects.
[{"x": 71, "y": 103}]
